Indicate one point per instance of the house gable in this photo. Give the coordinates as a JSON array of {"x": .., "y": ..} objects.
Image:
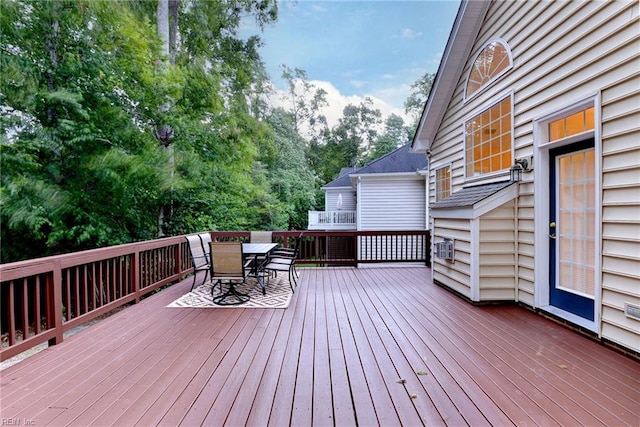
[{"x": 567, "y": 56}]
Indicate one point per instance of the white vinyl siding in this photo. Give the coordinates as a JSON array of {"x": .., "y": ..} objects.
[
  {"x": 392, "y": 203},
  {"x": 525, "y": 286},
  {"x": 348, "y": 199},
  {"x": 454, "y": 274},
  {"x": 563, "y": 53},
  {"x": 621, "y": 210},
  {"x": 497, "y": 258}
]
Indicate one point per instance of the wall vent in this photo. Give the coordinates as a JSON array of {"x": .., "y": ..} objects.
[
  {"x": 632, "y": 310},
  {"x": 444, "y": 249}
]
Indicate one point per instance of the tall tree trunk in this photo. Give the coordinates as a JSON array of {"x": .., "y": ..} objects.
[
  {"x": 173, "y": 30},
  {"x": 167, "y": 14},
  {"x": 51, "y": 43},
  {"x": 162, "y": 13}
]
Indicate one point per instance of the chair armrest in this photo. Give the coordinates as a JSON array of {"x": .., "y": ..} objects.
[
  {"x": 205, "y": 257},
  {"x": 280, "y": 260},
  {"x": 283, "y": 254}
]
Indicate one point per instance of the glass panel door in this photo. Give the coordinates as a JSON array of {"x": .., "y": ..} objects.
[{"x": 572, "y": 229}]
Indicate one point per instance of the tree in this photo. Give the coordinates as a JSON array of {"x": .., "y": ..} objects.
[
  {"x": 306, "y": 101},
  {"x": 73, "y": 136},
  {"x": 349, "y": 142},
  {"x": 395, "y": 135},
  {"x": 292, "y": 179},
  {"x": 419, "y": 93},
  {"x": 82, "y": 97}
]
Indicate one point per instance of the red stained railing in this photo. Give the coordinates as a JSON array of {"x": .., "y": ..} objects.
[
  {"x": 334, "y": 248},
  {"x": 42, "y": 298}
]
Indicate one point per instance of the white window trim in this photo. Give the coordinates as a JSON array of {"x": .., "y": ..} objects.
[
  {"x": 496, "y": 77},
  {"x": 542, "y": 146},
  {"x": 435, "y": 181},
  {"x": 491, "y": 176}
]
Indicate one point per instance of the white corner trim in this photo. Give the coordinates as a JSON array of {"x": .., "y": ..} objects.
[{"x": 475, "y": 259}]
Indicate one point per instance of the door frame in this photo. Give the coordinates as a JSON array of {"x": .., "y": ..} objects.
[{"x": 542, "y": 146}]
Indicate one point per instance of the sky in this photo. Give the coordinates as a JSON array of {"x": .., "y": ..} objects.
[{"x": 354, "y": 49}]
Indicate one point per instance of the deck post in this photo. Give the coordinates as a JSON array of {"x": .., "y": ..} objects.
[
  {"x": 55, "y": 304},
  {"x": 354, "y": 249},
  {"x": 135, "y": 274}
]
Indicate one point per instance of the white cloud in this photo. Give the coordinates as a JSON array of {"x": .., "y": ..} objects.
[
  {"x": 358, "y": 83},
  {"x": 337, "y": 101},
  {"x": 408, "y": 33}
]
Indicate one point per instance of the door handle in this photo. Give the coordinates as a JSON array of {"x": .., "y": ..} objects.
[{"x": 552, "y": 236}]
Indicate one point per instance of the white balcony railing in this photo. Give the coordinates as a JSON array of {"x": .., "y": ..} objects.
[{"x": 332, "y": 220}]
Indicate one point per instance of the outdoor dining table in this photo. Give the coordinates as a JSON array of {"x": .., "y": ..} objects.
[{"x": 260, "y": 253}]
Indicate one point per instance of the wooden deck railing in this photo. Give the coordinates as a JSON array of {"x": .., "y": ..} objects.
[
  {"x": 43, "y": 298},
  {"x": 329, "y": 248}
]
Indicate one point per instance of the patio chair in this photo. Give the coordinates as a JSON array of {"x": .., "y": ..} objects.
[
  {"x": 260, "y": 237},
  {"x": 199, "y": 258},
  {"x": 289, "y": 252},
  {"x": 284, "y": 259},
  {"x": 288, "y": 255},
  {"x": 205, "y": 239},
  {"x": 228, "y": 265}
]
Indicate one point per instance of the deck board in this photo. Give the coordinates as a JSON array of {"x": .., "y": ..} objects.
[{"x": 333, "y": 358}]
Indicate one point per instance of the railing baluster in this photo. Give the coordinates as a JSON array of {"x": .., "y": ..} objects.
[
  {"x": 25, "y": 310},
  {"x": 77, "y": 281},
  {"x": 37, "y": 313},
  {"x": 12, "y": 312}
]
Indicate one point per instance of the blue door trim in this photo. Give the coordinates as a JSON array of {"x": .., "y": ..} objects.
[{"x": 567, "y": 301}]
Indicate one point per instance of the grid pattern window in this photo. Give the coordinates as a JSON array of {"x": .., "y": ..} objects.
[
  {"x": 488, "y": 140},
  {"x": 493, "y": 60},
  {"x": 575, "y": 124},
  {"x": 577, "y": 222},
  {"x": 443, "y": 183}
]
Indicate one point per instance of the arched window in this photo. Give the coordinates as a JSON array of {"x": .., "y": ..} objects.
[{"x": 493, "y": 60}]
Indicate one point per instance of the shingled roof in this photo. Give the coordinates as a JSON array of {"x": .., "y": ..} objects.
[
  {"x": 398, "y": 161},
  {"x": 342, "y": 180},
  {"x": 469, "y": 196}
]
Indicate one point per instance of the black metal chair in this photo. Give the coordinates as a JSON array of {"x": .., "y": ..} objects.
[
  {"x": 199, "y": 258},
  {"x": 284, "y": 259}
]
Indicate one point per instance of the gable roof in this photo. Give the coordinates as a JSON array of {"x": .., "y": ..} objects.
[
  {"x": 400, "y": 160},
  {"x": 463, "y": 35},
  {"x": 342, "y": 180}
]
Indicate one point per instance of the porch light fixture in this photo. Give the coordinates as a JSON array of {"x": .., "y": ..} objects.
[{"x": 516, "y": 172}]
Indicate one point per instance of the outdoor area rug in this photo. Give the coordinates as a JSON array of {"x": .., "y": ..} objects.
[{"x": 278, "y": 295}]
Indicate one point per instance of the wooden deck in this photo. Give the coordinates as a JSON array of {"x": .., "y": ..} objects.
[{"x": 379, "y": 346}]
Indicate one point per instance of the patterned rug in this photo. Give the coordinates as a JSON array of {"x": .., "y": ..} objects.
[{"x": 278, "y": 295}]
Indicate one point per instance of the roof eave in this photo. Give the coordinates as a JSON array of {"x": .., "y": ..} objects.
[{"x": 463, "y": 35}]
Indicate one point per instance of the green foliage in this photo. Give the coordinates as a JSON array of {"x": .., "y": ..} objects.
[
  {"x": 419, "y": 93},
  {"x": 348, "y": 143},
  {"x": 84, "y": 91},
  {"x": 395, "y": 135}
]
